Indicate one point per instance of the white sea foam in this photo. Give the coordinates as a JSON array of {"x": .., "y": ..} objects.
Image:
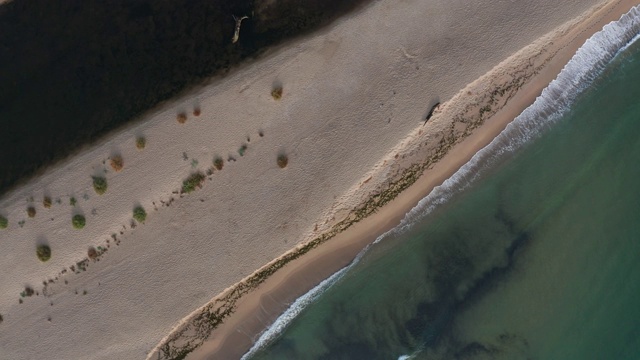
[{"x": 578, "y": 74}]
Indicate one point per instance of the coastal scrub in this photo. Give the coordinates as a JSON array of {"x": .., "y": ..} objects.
[
  {"x": 218, "y": 163},
  {"x": 117, "y": 163},
  {"x": 43, "y": 252},
  {"x": 282, "y": 161},
  {"x": 141, "y": 142},
  {"x": 139, "y": 214},
  {"x": 78, "y": 221},
  {"x": 193, "y": 182},
  {"x": 99, "y": 184}
]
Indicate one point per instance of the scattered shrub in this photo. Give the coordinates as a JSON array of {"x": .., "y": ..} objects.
[
  {"x": 261, "y": 133},
  {"x": 276, "y": 93},
  {"x": 182, "y": 118},
  {"x": 218, "y": 163},
  {"x": 117, "y": 163},
  {"x": 3, "y": 222},
  {"x": 193, "y": 182},
  {"x": 78, "y": 221},
  {"x": 92, "y": 253},
  {"x": 196, "y": 111},
  {"x": 283, "y": 160},
  {"x": 99, "y": 185},
  {"x": 141, "y": 142},
  {"x": 242, "y": 149},
  {"x": 44, "y": 253},
  {"x": 31, "y": 211},
  {"x": 72, "y": 201},
  {"x": 46, "y": 202},
  {"x": 28, "y": 291},
  {"x": 139, "y": 214}
]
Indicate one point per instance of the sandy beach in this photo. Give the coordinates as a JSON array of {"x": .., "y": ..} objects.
[{"x": 350, "y": 122}]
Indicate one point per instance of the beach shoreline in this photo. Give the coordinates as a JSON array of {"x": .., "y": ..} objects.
[{"x": 265, "y": 301}]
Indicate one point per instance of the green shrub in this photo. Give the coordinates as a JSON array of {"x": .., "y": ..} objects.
[
  {"x": 218, "y": 163},
  {"x": 139, "y": 214},
  {"x": 43, "y": 252},
  {"x": 78, "y": 221},
  {"x": 99, "y": 184},
  {"x": 276, "y": 93},
  {"x": 193, "y": 182},
  {"x": 283, "y": 160},
  {"x": 3, "y": 222},
  {"x": 72, "y": 201},
  {"x": 141, "y": 142}
]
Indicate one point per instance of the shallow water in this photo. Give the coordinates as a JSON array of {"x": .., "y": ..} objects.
[{"x": 537, "y": 259}]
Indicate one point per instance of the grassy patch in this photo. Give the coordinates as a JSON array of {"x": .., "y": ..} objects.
[
  {"x": 99, "y": 184},
  {"x": 141, "y": 142},
  {"x": 43, "y": 252},
  {"x": 139, "y": 214},
  {"x": 31, "y": 211},
  {"x": 218, "y": 163},
  {"x": 78, "y": 221},
  {"x": 283, "y": 160},
  {"x": 3, "y": 222},
  {"x": 46, "y": 202},
  {"x": 193, "y": 182},
  {"x": 117, "y": 163}
]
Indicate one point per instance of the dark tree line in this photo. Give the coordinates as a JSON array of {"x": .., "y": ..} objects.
[{"x": 72, "y": 70}]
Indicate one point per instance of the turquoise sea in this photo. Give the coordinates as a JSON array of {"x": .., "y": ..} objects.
[{"x": 531, "y": 251}]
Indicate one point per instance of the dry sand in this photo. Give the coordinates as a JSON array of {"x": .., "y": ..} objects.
[{"x": 351, "y": 94}]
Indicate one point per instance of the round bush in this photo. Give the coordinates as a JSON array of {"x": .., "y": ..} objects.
[
  {"x": 78, "y": 221},
  {"x": 141, "y": 142},
  {"x": 283, "y": 160},
  {"x": 117, "y": 163},
  {"x": 99, "y": 185},
  {"x": 276, "y": 93},
  {"x": 139, "y": 214},
  {"x": 43, "y": 252}
]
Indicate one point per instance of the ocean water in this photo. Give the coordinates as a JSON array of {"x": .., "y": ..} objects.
[{"x": 531, "y": 251}]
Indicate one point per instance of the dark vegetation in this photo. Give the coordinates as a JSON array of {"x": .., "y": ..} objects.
[
  {"x": 99, "y": 185},
  {"x": 193, "y": 182},
  {"x": 31, "y": 211},
  {"x": 72, "y": 70},
  {"x": 43, "y": 252},
  {"x": 78, "y": 221},
  {"x": 282, "y": 160},
  {"x": 139, "y": 214},
  {"x": 4, "y": 222}
]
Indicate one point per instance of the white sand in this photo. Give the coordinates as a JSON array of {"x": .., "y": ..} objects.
[{"x": 351, "y": 93}]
